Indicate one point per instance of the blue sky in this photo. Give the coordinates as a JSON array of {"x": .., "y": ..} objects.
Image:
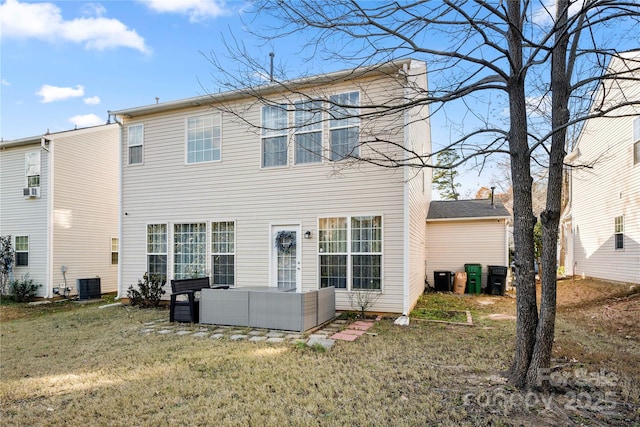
[{"x": 66, "y": 63}]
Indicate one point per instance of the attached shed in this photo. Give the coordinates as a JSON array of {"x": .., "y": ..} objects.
[{"x": 463, "y": 232}]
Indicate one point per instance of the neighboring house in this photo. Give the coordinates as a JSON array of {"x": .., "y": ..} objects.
[
  {"x": 463, "y": 232},
  {"x": 205, "y": 193},
  {"x": 602, "y": 219},
  {"x": 59, "y": 202}
]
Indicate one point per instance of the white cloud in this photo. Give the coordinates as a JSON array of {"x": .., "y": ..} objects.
[
  {"x": 86, "y": 120},
  {"x": 54, "y": 93},
  {"x": 92, "y": 100},
  {"x": 198, "y": 10},
  {"x": 5, "y": 83},
  {"x": 44, "y": 21},
  {"x": 546, "y": 13}
]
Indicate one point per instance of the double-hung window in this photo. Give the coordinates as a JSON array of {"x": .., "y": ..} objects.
[
  {"x": 636, "y": 141},
  {"x": 189, "y": 250},
  {"x": 22, "y": 251},
  {"x": 157, "y": 250},
  {"x": 619, "y": 232},
  {"x": 350, "y": 252},
  {"x": 32, "y": 168},
  {"x": 114, "y": 250},
  {"x": 366, "y": 252},
  {"x": 223, "y": 253},
  {"x": 308, "y": 132},
  {"x": 136, "y": 144},
  {"x": 274, "y": 135},
  {"x": 204, "y": 138},
  {"x": 344, "y": 125}
]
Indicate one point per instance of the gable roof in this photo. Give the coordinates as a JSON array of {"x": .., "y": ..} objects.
[
  {"x": 447, "y": 210},
  {"x": 387, "y": 68}
]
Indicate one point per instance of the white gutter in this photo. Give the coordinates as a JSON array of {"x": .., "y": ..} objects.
[{"x": 475, "y": 218}]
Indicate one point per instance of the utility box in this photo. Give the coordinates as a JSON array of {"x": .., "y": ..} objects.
[
  {"x": 474, "y": 278},
  {"x": 442, "y": 281},
  {"x": 497, "y": 280},
  {"x": 88, "y": 288}
]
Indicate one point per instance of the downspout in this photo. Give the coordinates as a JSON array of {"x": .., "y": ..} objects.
[
  {"x": 49, "y": 226},
  {"x": 120, "y": 169}
]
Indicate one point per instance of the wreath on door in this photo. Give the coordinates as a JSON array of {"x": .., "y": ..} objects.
[{"x": 285, "y": 241}]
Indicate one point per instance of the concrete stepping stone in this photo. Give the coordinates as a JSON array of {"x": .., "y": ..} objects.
[
  {"x": 238, "y": 337},
  {"x": 146, "y": 331},
  {"x": 201, "y": 334},
  {"x": 181, "y": 333},
  {"x": 324, "y": 342},
  {"x": 220, "y": 331},
  {"x": 216, "y": 336},
  {"x": 275, "y": 339},
  {"x": 257, "y": 338},
  {"x": 165, "y": 331},
  {"x": 275, "y": 334}
]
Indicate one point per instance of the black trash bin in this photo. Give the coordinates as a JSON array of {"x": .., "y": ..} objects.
[
  {"x": 497, "y": 280},
  {"x": 442, "y": 281}
]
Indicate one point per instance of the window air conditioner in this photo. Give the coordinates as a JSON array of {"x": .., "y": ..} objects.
[{"x": 31, "y": 192}]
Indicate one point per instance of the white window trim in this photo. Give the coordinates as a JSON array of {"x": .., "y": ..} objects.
[
  {"x": 146, "y": 247},
  {"x": 27, "y": 174},
  {"x": 616, "y": 232},
  {"x": 28, "y": 251},
  {"x": 350, "y": 253},
  {"x": 286, "y": 132},
  {"x": 635, "y": 145},
  {"x": 186, "y": 139},
  {"x": 116, "y": 251},
  {"x": 211, "y": 253},
  {"x": 330, "y": 128},
  {"x": 321, "y": 130},
  {"x": 129, "y": 145}
]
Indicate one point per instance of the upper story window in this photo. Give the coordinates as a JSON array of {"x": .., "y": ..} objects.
[
  {"x": 308, "y": 132},
  {"x": 32, "y": 168},
  {"x": 636, "y": 141},
  {"x": 204, "y": 138},
  {"x": 136, "y": 143},
  {"x": 344, "y": 125},
  {"x": 619, "y": 232},
  {"x": 22, "y": 251},
  {"x": 274, "y": 135}
]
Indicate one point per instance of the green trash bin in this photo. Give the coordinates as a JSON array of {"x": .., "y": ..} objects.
[{"x": 474, "y": 278}]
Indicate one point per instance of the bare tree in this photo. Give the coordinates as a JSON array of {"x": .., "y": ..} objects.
[{"x": 523, "y": 73}]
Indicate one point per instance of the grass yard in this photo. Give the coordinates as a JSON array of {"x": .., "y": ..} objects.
[{"x": 74, "y": 364}]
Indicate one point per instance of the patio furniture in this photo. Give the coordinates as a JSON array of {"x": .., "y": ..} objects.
[
  {"x": 267, "y": 307},
  {"x": 186, "y": 309}
]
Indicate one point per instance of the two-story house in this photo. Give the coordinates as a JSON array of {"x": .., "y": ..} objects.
[
  {"x": 602, "y": 219},
  {"x": 59, "y": 202},
  {"x": 263, "y": 191}
]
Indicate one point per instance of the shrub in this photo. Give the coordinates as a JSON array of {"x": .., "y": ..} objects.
[
  {"x": 149, "y": 292},
  {"x": 23, "y": 290},
  {"x": 6, "y": 263}
]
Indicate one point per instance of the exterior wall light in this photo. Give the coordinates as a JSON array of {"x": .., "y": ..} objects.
[{"x": 307, "y": 234}]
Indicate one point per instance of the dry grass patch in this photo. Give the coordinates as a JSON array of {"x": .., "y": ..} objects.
[{"x": 77, "y": 364}]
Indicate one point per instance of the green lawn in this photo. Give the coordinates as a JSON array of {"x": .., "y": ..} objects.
[{"x": 71, "y": 364}]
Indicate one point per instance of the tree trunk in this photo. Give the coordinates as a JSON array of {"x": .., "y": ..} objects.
[
  {"x": 527, "y": 315},
  {"x": 541, "y": 358}
]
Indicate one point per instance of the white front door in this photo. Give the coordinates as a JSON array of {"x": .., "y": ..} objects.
[{"x": 286, "y": 256}]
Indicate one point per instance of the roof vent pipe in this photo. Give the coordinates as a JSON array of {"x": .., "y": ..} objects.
[
  {"x": 271, "y": 54},
  {"x": 492, "y": 191}
]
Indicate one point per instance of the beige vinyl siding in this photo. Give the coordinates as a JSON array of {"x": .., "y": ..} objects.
[
  {"x": 25, "y": 217},
  {"x": 166, "y": 190},
  {"x": 418, "y": 139},
  {"x": 452, "y": 244},
  {"x": 610, "y": 189},
  {"x": 85, "y": 205}
]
